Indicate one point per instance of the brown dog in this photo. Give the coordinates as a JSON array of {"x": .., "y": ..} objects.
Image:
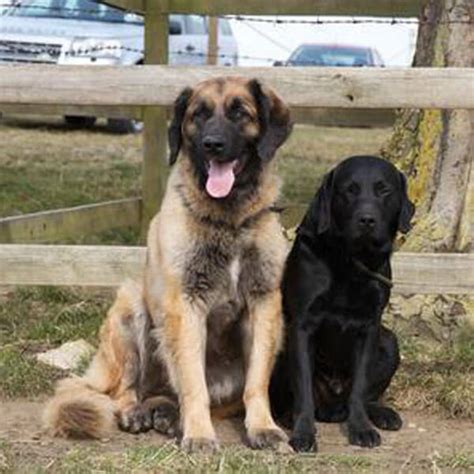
[{"x": 205, "y": 329}]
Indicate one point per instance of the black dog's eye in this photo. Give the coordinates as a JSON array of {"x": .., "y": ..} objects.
[
  {"x": 353, "y": 188},
  {"x": 381, "y": 189}
]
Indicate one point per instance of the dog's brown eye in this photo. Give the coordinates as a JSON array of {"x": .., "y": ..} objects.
[
  {"x": 202, "y": 111},
  {"x": 238, "y": 113}
]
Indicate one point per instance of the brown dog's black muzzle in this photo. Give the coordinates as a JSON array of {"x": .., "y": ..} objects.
[{"x": 213, "y": 144}]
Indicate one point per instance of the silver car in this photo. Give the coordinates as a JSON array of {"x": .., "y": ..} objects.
[{"x": 86, "y": 32}]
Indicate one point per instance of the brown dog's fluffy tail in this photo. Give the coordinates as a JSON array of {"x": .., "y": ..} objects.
[
  {"x": 79, "y": 411},
  {"x": 86, "y": 407}
]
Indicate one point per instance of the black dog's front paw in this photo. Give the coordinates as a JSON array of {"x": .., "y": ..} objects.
[
  {"x": 303, "y": 442},
  {"x": 364, "y": 436},
  {"x": 384, "y": 417}
]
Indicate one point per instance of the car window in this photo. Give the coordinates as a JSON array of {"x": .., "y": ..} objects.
[
  {"x": 330, "y": 56},
  {"x": 72, "y": 9},
  {"x": 225, "y": 28},
  {"x": 196, "y": 25}
]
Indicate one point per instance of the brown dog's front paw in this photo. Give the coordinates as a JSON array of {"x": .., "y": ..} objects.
[
  {"x": 199, "y": 445},
  {"x": 364, "y": 436},
  {"x": 135, "y": 420},
  {"x": 166, "y": 419},
  {"x": 273, "y": 438}
]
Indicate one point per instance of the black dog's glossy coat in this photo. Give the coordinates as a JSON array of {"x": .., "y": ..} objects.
[{"x": 339, "y": 358}]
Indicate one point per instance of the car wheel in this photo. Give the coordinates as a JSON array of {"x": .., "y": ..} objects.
[
  {"x": 124, "y": 125},
  {"x": 76, "y": 121}
]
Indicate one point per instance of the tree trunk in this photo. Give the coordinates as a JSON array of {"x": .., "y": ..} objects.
[{"x": 435, "y": 147}]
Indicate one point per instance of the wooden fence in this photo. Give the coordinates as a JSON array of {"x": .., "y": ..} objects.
[
  {"x": 109, "y": 266},
  {"x": 152, "y": 89}
]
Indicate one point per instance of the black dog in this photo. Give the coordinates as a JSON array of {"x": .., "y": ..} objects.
[{"x": 339, "y": 358}]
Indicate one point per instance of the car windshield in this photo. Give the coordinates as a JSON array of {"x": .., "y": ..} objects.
[
  {"x": 71, "y": 9},
  {"x": 330, "y": 56}
]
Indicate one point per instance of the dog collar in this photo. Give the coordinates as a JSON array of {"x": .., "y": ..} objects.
[{"x": 375, "y": 275}]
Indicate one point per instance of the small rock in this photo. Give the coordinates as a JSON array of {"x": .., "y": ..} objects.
[
  {"x": 67, "y": 356},
  {"x": 411, "y": 425},
  {"x": 421, "y": 430}
]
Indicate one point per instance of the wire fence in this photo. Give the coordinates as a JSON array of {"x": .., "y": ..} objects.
[{"x": 38, "y": 49}]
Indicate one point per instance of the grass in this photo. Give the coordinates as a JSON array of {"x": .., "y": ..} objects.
[
  {"x": 37, "y": 319},
  {"x": 437, "y": 378},
  {"x": 168, "y": 458}
]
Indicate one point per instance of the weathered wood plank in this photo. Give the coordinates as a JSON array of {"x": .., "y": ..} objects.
[
  {"x": 69, "y": 264},
  {"x": 109, "y": 266},
  {"x": 283, "y": 7},
  {"x": 433, "y": 273},
  {"x": 301, "y": 87},
  {"x": 52, "y": 226}
]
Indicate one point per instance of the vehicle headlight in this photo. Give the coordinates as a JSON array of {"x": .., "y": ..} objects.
[{"x": 96, "y": 48}]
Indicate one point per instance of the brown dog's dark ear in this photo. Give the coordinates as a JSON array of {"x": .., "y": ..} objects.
[
  {"x": 175, "y": 137},
  {"x": 321, "y": 208},
  {"x": 407, "y": 207},
  {"x": 275, "y": 121}
]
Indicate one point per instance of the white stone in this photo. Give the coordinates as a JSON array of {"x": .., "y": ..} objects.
[{"x": 68, "y": 356}]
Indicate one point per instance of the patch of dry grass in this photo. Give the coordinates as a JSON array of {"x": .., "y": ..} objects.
[{"x": 437, "y": 378}]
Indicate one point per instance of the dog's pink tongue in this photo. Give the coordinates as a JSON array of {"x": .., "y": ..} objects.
[{"x": 220, "y": 179}]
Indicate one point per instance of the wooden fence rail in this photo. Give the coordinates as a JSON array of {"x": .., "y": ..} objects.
[
  {"x": 301, "y": 87},
  {"x": 108, "y": 266},
  {"x": 279, "y": 7},
  {"x": 62, "y": 224}
]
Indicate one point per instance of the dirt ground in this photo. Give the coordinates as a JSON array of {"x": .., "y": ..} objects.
[{"x": 423, "y": 444}]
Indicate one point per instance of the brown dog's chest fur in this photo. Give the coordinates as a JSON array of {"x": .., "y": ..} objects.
[{"x": 223, "y": 261}]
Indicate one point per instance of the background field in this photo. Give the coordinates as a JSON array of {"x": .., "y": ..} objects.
[{"x": 45, "y": 165}]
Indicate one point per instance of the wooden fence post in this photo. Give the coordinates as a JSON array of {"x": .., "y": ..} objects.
[
  {"x": 212, "y": 42},
  {"x": 154, "y": 170}
]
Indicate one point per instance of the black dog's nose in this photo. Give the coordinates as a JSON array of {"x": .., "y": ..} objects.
[
  {"x": 213, "y": 144},
  {"x": 367, "y": 221}
]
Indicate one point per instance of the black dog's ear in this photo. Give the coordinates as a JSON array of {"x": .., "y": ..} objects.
[
  {"x": 174, "y": 131},
  {"x": 275, "y": 121},
  {"x": 321, "y": 207},
  {"x": 407, "y": 207}
]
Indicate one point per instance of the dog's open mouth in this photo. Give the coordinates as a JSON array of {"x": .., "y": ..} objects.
[{"x": 220, "y": 178}]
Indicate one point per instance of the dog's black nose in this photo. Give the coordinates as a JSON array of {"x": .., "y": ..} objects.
[
  {"x": 367, "y": 221},
  {"x": 213, "y": 144}
]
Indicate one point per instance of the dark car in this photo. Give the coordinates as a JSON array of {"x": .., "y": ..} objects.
[{"x": 334, "y": 56}]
